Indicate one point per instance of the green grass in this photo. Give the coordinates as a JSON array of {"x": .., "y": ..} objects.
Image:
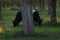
[{"x": 44, "y": 32}]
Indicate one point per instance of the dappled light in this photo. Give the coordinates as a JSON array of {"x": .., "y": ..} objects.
[{"x": 47, "y": 30}]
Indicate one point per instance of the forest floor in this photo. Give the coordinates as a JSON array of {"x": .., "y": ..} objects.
[{"x": 46, "y": 31}]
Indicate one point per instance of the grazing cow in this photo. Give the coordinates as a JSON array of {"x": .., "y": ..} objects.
[{"x": 36, "y": 18}]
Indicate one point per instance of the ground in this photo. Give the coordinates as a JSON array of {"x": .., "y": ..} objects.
[{"x": 44, "y": 32}]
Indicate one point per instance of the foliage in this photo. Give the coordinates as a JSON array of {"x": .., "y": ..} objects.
[{"x": 17, "y": 2}]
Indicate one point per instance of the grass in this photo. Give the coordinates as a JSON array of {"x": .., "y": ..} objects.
[{"x": 44, "y": 32}]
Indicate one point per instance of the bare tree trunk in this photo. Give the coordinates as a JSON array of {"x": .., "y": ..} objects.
[
  {"x": 49, "y": 7},
  {"x": 4, "y": 4},
  {"x": 0, "y": 9},
  {"x": 33, "y": 4},
  {"x": 27, "y": 17},
  {"x": 42, "y": 4},
  {"x": 58, "y": 3},
  {"x": 13, "y": 3},
  {"x": 52, "y": 10}
]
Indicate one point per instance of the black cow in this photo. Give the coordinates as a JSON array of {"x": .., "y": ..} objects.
[{"x": 18, "y": 18}]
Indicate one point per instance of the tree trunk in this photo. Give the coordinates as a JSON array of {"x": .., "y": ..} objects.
[
  {"x": 52, "y": 10},
  {"x": 49, "y": 7},
  {"x": 42, "y": 4},
  {"x": 0, "y": 9},
  {"x": 27, "y": 17},
  {"x": 4, "y": 3},
  {"x": 13, "y": 4},
  {"x": 33, "y": 4},
  {"x": 58, "y": 3}
]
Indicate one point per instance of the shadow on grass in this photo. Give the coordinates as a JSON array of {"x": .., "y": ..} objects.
[
  {"x": 49, "y": 24},
  {"x": 35, "y": 36}
]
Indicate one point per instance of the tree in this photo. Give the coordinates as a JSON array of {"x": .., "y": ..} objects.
[
  {"x": 33, "y": 4},
  {"x": 42, "y": 4},
  {"x": 27, "y": 17},
  {"x": 13, "y": 3},
  {"x": 52, "y": 10},
  {"x": 58, "y": 3},
  {"x": 0, "y": 9}
]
